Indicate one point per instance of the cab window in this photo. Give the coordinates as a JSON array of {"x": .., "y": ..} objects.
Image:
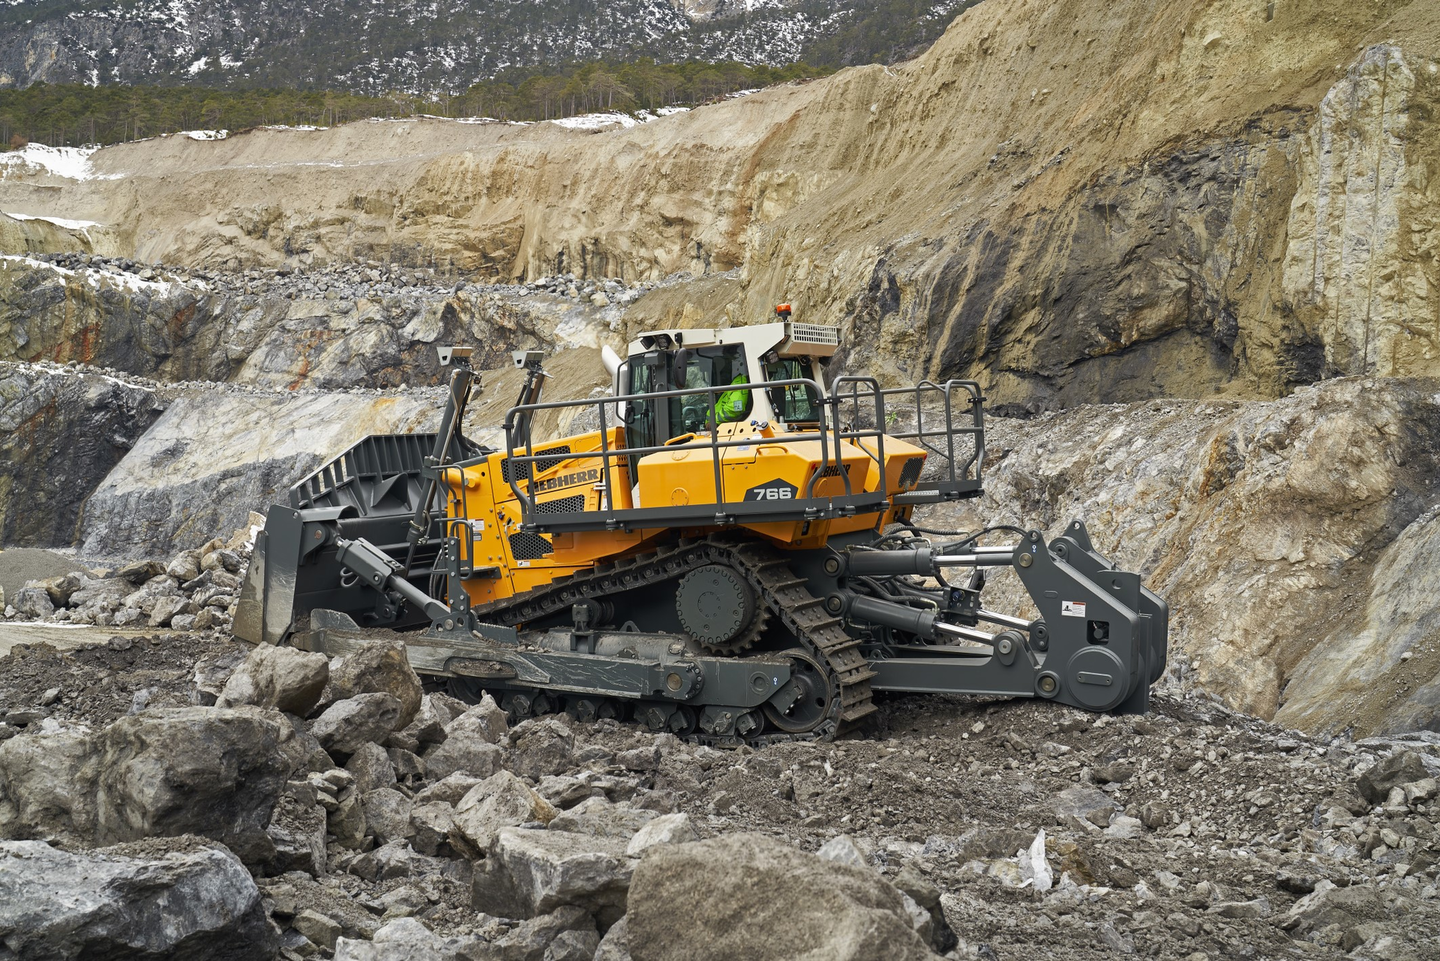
[{"x": 794, "y": 403}]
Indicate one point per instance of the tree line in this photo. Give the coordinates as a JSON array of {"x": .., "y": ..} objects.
[{"x": 74, "y": 114}]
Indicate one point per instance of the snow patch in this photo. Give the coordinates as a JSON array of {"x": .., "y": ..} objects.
[
  {"x": 205, "y": 134},
  {"x": 70, "y": 162},
  {"x": 597, "y": 121},
  {"x": 81, "y": 225}
]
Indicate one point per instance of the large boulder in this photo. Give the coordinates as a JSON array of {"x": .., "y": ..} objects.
[
  {"x": 278, "y": 677},
  {"x": 348, "y": 724},
  {"x": 550, "y": 869},
  {"x": 183, "y": 900},
  {"x": 500, "y": 801},
  {"x": 378, "y": 667},
  {"x": 749, "y": 896},
  {"x": 1395, "y": 770},
  {"x": 215, "y": 772}
]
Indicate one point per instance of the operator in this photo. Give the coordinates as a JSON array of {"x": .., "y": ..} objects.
[{"x": 733, "y": 404}]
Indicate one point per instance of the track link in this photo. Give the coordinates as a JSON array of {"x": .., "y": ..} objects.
[{"x": 781, "y": 593}]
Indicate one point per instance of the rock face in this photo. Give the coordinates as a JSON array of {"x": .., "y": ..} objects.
[
  {"x": 339, "y": 328},
  {"x": 214, "y": 456},
  {"x": 60, "y": 434},
  {"x": 1256, "y": 219},
  {"x": 182, "y": 899},
  {"x": 793, "y": 905},
  {"x": 1287, "y": 537}
]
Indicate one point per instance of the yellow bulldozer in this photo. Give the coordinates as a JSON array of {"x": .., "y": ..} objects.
[{"x": 727, "y": 552}]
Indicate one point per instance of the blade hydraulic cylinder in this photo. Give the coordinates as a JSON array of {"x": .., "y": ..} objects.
[{"x": 384, "y": 574}]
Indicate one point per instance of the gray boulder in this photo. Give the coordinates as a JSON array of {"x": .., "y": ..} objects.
[
  {"x": 464, "y": 755},
  {"x": 485, "y": 721},
  {"x": 541, "y": 747},
  {"x": 601, "y": 818},
  {"x": 377, "y": 667},
  {"x": 666, "y": 829},
  {"x": 793, "y": 904},
  {"x": 501, "y": 800},
  {"x": 371, "y": 766},
  {"x": 387, "y": 815},
  {"x": 182, "y": 900},
  {"x": 32, "y": 602},
  {"x": 278, "y": 677},
  {"x": 1395, "y": 770},
  {"x": 215, "y": 772},
  {"x": 348, "y": 724},
  {"x": 550, "y": 869},
  {"x": 406, "y": 939}
]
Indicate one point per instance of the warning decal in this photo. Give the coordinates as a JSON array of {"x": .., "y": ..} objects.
[{"x": 1072, "y": 608}]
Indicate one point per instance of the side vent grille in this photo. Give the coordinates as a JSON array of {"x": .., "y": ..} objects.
[
  {"x": 529, "y": 546},
  {"x": 510, "y": 471}
]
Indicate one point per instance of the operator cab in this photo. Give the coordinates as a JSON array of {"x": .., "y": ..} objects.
[{"x": 725, "y": 373}]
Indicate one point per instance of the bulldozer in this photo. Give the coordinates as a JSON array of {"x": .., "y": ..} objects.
[{"x": 724, "y": 550}]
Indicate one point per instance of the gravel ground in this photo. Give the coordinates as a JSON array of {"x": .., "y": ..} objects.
[{"x": 1192, "y": 832}]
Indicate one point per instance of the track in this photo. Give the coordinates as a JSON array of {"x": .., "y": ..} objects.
[{"x": 817, "y": 634}]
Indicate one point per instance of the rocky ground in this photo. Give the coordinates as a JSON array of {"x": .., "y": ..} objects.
[{"x": 269, "y": 802}]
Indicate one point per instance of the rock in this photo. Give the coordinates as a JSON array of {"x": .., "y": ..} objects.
[
  {"x": 540, "y": 747},
  {"x": 640, "y": 759},
  {"x": 378, "y": 667},
  {"x": 396, "y": 859},
  {"x": 162, "y": 613},
  {"x": 297, "y": 832},
  {"x": 555, "y": 868},
  {"x": 33, "y": 602},
  {"x": 346, "y": 725},
  {"x": 450, "y": 789},
  {"x": 485, "y": 722},
  {"x": 428, "y": 724},
  {"x": 430, "y": 826},
  {"x": 599, "y": 817},
  {"x": 1392, "y": 771},
  {"x": 138, "y": 572},
  {"x": 1330, "y": 905},
  {"x": 843, "y": 850},
  {"x": 1125, "y": 827},
  {"x": 180, "y": 899},
  {"x": 465, "y": 755},
  {"x": 501, "y": 800},
  {"x": 1242, "y": 910},
  {"x": 1085, "y": 803},
  {"x": 1114, "y": 772},
  {"x": 347, "y": 822},
  {"x": 387, "y": 815},
  {"x": 409, "y": 768},
  {"x": 216, "y": 772},
  {"x": 185, "y": 566},
  {"x": 280, "y": 677},
  {"x": 370, "y": 764},
  {"x": 320, "y": 929},
  {"x": 614, "y": 946},
  {"x": 794, "y": 905},
  {"x": 564, "y": 935},
  {"x": 565, "y": 791},
  {"x": 405, "y": 939},
  {"x": 59, "y": 588},
  {"x": 665, "y": 829}
]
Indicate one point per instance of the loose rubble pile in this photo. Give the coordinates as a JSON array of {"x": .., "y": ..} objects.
[
  {"x": 196, "y": 591},
  {"x": 376, "y": 819},
  {"x": 353, "y": 281}
]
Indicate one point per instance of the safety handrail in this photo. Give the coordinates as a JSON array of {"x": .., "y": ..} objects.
[{"x": 829, "y": 436}]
